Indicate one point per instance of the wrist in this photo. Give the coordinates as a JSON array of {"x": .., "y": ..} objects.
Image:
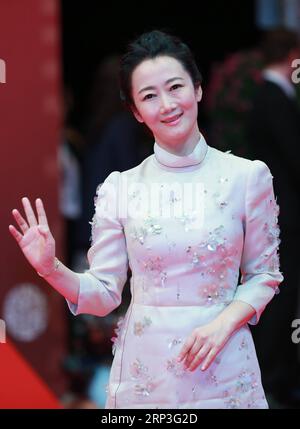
[
  {"x": 56, "y": 263},
  {"x": 227, "y": 321}
]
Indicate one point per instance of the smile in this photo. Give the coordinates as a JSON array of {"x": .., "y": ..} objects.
[{"x": 173, "y": 120}]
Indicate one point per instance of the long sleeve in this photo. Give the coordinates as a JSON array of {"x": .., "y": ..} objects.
[
  {"x": 260, "y": 261},
  {"x": 102, "y": 284}
]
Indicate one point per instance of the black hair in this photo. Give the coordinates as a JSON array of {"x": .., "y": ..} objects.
[
  {"x": 277, "y": 45},
  {"x": 151, "y": 45}
]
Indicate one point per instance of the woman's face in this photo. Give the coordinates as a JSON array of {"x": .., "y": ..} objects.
[{"x": 166, "y": 100}]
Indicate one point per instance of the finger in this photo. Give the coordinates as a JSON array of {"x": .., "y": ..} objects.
[
  {"x": 29, "y": 212},
  {"x": 196, "y": 346},
  {"x": 44, "y": 230},
  {"x": 42, "y": 218},
  {"x": 20, "y": 220},
  {"x": 15, "y": 233},
  {"x": 193, "y": 352},
  {"x": 209, "y": 359},
  {"x": 198, "y": 358},
  {"x": 186, "y": 347}
]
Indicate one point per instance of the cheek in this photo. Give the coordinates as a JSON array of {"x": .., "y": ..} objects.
[
  {"x": 189, "y": 101},
  {"x": 191, "y": 109},
  {"x": 149, "y": 113}
]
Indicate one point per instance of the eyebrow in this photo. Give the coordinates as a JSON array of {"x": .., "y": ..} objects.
[{"x": 147, "y": 88}]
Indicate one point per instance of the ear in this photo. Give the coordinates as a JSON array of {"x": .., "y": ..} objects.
[
  {"x": 137, "y": 115},
  {"x": 199, "y": 93}
]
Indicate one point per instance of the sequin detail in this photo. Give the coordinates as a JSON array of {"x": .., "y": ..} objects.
[
  {"x": 194, "y": 256},
  {"x": 269, "y": 261},
  {"x": 139, "y": 327},
  {"x": 213, "y": 294},
  {"x": 138, "y": 370},
  {"x": 243, "y": 345},
  {"x": 176, "y": 368},
  {"x": 232, "y": 402},
  {"x": 143, "y": 389},
  {"x": 174, "y": 342},
  {"x": 149, "y": 227},
  {"x": 246, "y": 382},
  {"x": 212, "y": 378},
  {"x": 214, "y": 258},
  {"x": 116, "y": 340},
  {"x": 154, "y": 267},
  {"x": 186, "y": 221},
  {"x": 100, "y": 193},
  {"x": 139, "y": 373},
  {"x": 244, "y": 391},
  {"x": 94, "y": 221}
]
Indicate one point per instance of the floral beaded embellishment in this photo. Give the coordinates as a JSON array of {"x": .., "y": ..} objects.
[
  {"x": 144, "y": 389},
  {"x": 150, "y": 226},
  {"x": 154, "y": 266},
  {"x": 187, "y": 221},
  {"x": 219, "y": 200},
  {"x": 138, "y": 370},
  {"x": 273, "y": 233},
  {"x": 270, "y": 259},
  {"x": 100, "y": 192},
  {"x": 244, "y": 347},
  {"x": 116, "y": 340},
  {"x": 139, "y": 327},
  {"x": 174, "y": 342},
  {"x": 215, "y": 239},
  {"x": 139, "y": 373},
  {"x": 214, "y": 294},
  {"x": 212, "y": 378},
  {"x": 222, "y": 256},
  {"x": 231, "y": 401},
  {"x": 194, "y": 255},
  {"x": 176, "y": 368},
  {"x": 246, "y": 384}
]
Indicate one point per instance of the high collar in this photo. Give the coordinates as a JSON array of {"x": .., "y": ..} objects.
[{"x": 171, "y": 160}]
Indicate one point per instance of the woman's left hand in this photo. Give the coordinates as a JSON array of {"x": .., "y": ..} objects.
[{"x": 203, "y": 345}]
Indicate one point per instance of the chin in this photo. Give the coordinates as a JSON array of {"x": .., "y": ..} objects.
[{"x": 179, "y": 135}]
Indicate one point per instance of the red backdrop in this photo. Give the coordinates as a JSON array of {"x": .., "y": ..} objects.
[{"x": 30, "y": 124}]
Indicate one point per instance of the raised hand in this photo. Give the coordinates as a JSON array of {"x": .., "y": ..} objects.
[{"x": 35, "y": 239}]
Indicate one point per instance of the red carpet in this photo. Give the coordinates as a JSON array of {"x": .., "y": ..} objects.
[{"x": 20, "y": 386}]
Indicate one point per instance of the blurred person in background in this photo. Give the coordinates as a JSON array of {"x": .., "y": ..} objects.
[
  {"x": 70, "y": 156},
  {"x": 229, "y": 98},
  {"x": 274, "y": 137}
]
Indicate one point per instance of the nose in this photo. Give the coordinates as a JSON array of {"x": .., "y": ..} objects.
[{"x": 166, "y": 105}]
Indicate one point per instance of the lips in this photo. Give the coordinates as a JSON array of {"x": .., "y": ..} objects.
[{"x": 172, "y": 119}]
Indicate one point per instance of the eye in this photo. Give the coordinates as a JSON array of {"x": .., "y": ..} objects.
[
  {"x": 175, "y": 86},
  {"x": 148, "y": 97}
]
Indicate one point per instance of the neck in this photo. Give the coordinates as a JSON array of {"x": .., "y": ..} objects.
[
  {"x": 171, "y": 160},
  {"x": 181, "y": 148}
]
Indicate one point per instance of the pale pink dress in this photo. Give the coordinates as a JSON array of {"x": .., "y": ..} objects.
[{"x": 185, "y": 271}]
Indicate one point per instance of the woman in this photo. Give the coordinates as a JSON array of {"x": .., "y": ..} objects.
[{"x": 184, "y": 341}]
